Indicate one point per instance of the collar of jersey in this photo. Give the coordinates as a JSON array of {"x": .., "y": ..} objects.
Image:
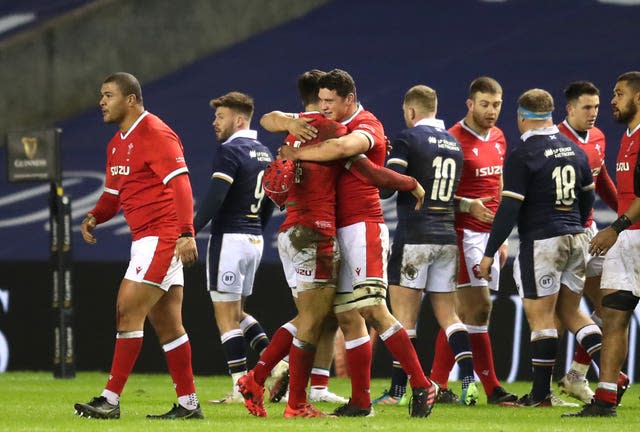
[
  {"x": 433, "y": 122},
  {"x": 631, "y": 132},
  {"x": 474, "y": 133},
  {"x": 244, "y": 133},
  {"x": 549, "y": 130},
  {"x": 358, "y": 110},
  {"x": 575, "y": 133},
  {"x": 133, "y": 126}
]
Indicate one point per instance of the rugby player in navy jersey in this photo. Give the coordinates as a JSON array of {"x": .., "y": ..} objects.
[
  {"x": 621, "y": 243},
  {"x": 238, "y": 212},
  {"x": 548, "y": 191},
  {"x": 424, "y": 256}
]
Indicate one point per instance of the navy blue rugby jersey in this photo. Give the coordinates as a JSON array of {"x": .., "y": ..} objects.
[
  {"x": 546, "y": 172},
  {"x": 241, "y": 161},
  {"x": 433, "y": 157}
]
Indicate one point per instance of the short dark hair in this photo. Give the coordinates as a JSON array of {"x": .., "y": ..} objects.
[
  {"x": 340, "y": 81},
  {"x": 484, "y": 84},
  {"x": 236, "y": 101},
  {"x": 127, "y": 83},
  {"x": 576, "y": 89},
  {"x": 308, "y": 86},
  {"x": 632, "y": 78},
  {"x": 536, "y": 100}
]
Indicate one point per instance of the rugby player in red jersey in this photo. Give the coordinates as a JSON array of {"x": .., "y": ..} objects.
[
  {"x": 364, "y": 245},
  {"x": 146, "y": 175},
  {"x": 620, "y": 243}
]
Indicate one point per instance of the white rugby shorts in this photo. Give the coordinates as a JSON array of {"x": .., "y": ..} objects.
[{"x": 153, "y": 262}]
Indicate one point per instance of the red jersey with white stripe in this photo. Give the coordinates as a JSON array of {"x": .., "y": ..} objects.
[
  {"x": 140, "y": 163},
  {"x": 481, "y": 171},
  {"x": 311, "y": 201},
  {"x": 358, "y": 201},
  {"x": 625, "y": 167},
  {"x": 593, "y": 145}
]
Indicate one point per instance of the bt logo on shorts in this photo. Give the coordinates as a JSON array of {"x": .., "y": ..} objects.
[
  {"x": 119, "y": 170},
  {"x": 304, "y": 272},
  {"x": 546, "y": 281},
  {"x": 410, "y": 272},
  {"x": 228, "y": 278}
]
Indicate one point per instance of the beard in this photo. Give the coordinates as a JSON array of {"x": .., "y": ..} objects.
[
  {"x": 626, "y": 115},
  {"x": 481, "y": 121}
]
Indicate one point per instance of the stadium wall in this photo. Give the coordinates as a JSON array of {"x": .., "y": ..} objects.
[
  {"x": 49, "y": 71},
  {"x": 26, "y": 317}
]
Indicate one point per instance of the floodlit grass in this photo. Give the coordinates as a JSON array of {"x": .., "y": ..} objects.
[{"x": 35, "y": 401}]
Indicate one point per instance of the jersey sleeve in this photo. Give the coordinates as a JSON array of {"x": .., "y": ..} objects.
[
  {"x": 515, "y": 176},
  {"x": 165, "y": 155},
  {"x": 372, "y": 130},
  {"x": 111, "y": 185},
  {"x": 399, "y": 152},
  {"x": 636, "y": 178},
  {"x": 226, "y": 164},
  {"x": 586, "y": 174}
]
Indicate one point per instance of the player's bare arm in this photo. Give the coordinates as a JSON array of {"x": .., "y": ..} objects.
[
  {"x": 602, "y": 242},
  {"x": 329, "y": 150},
  {"x": 418, "y": 192},
  {"x": 86, "y": 228},
  {"x": 278, "y": 121},
  {"x": 186, "y": 250},
  {"x": 476, "y": 208},
  {"x": 485, "y": 267}
]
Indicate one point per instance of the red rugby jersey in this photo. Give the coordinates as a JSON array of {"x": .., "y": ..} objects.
[
  {"x": 312, "y": 201},
  {"x": 356, "y": 200},
  {"x": 625, "y": 168},
  {"x": 481, "y": 171},
  {"x": 140, "y": 163}
]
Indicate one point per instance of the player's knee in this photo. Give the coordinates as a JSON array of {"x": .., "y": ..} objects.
[{"x": 623, "y": 301}]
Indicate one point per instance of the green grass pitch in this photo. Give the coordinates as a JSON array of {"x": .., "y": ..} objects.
[{"x": 35, "y": 401}]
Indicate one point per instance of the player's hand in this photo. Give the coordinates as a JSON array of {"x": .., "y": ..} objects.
[
  {"x": 186, "y": 250},
  {"x": 388, "y": 145},
  {"x": 485, "y": 268},
  {"x": 418, "y": 192},
  {"x": 287, "y": 153},
  {"x": 479, "y": 211},
  {"x": 86, "y": 228},
  {"x": 302, "y": 129},
  {"x": 503, "y": 253},
  {"x": 602, "y": 242}
]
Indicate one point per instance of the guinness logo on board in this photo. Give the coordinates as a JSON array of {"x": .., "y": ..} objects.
[{"x": 30, "y": 145}]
